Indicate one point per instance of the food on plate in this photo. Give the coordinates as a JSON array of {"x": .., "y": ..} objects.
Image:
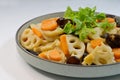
[
  {"x": 100, "y": 55},
  {"x": 75, "y": 46},
  {"x": 93, "y": 44},
  {"x": 116, "y": 54},
  {"x": 82, "y": 37},
  {"x": 55, "y": 55}
]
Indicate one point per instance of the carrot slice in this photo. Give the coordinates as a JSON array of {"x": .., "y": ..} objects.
[
  {"x": 55, "y": 55},
  {"x": 96, "y": 42},
  {"x": 38, "y": 33},
  {"x": 117, "y": 60},
  {"x": 110, "y": 20},
  {"x": 49, "y": 24},
  {"x": 64, "y": 45},
  {"x": 43, "y": 55},
  {"x": 116, "y": 52}
]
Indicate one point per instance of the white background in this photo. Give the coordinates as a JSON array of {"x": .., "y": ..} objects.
[{"x": 13, "y": 13}]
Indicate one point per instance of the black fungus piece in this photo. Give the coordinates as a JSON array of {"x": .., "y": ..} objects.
[
  {"x": 62, "y": 21},
  {"x": 84, "y": 55},
  {"x": 113, "y": 40},
  {"x": 111, "y": 16},
  {"x": 32, "y": 52},
  {"x": 105, "y": 35},
  {"x": 117, "y": 20},
  {"x": 93, "y": 64},
  {"x": 73, "y": 60}
]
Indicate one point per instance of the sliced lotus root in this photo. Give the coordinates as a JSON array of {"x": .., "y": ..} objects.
[
  {"x": 75, "y": 46},
  {"x": 55, "y": 55},
  {"x": 100, "y": 55},
  {"x": 50, "y": 45},
  {"x": 89, "y": 48},
  {"x": 29, "y": 40},
  {"x": 97, "y": 34},
  {"x": 118, "y": 30},
  {"x": 51, "y": 35},
  {"x": 94, "y": 43}
]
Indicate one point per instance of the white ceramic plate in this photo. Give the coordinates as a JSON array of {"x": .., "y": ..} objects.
[{"x": 63, "y": 69}]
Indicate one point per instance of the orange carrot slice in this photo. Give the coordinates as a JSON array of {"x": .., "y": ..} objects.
[
  {"x": 117, "y": 60},
  {"x": 49, "y": 24},
  {"x": 110, "y": 20},
  {"x": 55, "y": 55},
  {"x": 43, "y": 55},
  {"x": 64, "y": 45},
  {"x": 116, "y": 52},
  {"x": 38, "y": 33},
  {"x": 96, "y": 42}
]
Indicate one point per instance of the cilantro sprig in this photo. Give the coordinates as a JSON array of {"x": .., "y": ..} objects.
[{"x": 85, "y": 21}]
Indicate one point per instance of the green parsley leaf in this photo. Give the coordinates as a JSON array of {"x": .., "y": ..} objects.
[
  {"x": 85, "y": 21},
  {"x": 106, "y": 25},
  {"x": 78, "y": 24},
  {"x": 68, "y": 28},
  {"x": 69, "y": 13},
  {"x": 100, "y": 16},
  {"x": 84, "y": 32}
]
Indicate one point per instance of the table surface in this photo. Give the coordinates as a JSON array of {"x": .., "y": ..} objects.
[{"x": 13, "y": 13}]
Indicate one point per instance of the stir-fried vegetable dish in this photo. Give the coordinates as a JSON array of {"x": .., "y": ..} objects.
[{"x": 83, "y": 37}]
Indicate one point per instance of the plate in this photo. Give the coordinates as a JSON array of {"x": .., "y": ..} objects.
[{"x": 69, "y": 70}]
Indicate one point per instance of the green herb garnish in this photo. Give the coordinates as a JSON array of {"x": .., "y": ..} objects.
[{"x": 85, "y": 22}]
